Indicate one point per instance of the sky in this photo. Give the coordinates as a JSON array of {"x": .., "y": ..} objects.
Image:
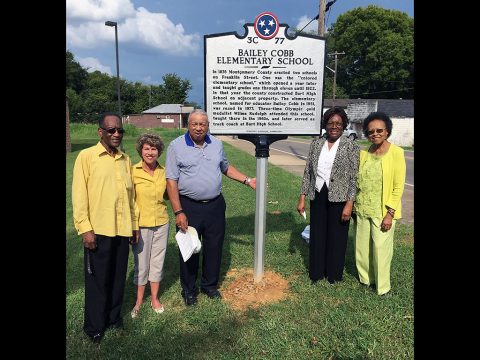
[{"x": 166, "y": 36}]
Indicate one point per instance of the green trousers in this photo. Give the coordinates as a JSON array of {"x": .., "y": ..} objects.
[{"x": 373, "y": 253}]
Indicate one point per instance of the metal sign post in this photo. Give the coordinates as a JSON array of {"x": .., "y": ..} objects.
[{"x": 262, "y": 152}]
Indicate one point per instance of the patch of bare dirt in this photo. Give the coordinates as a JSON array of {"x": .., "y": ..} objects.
[{"x": 241, "y": 292}]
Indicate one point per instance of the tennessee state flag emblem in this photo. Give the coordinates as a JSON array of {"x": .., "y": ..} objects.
[{"x": 266, "y": 25}]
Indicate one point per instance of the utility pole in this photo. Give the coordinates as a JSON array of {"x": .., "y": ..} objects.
[
  {"x": 335, "y": 74},
  {"x": 321, "y": 18}
]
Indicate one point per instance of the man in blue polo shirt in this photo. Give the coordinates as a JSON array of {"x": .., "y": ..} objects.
[{"x": 193, "y": 168}]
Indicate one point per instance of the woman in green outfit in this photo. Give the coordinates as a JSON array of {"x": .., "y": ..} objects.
[{"x": 378, "y": 204}]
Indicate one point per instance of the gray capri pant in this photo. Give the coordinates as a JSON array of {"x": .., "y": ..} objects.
[{"x": 149, "y": 254}]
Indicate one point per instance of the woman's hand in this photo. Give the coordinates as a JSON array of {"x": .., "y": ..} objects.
[
  {"x": 347, "y": 211},
  {"x": 386, "y": 223},
  {"x": 301, "y": 204}
]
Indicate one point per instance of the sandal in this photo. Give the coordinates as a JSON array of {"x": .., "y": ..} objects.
[
  {"x": 159, "y": 310},
  {"x": 134, "y": 312}
]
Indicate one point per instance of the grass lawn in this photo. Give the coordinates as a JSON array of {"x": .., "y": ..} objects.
[{"x": 321, "y": 321}]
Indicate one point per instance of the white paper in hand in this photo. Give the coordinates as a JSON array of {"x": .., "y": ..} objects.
[
  {"x": 196, "y": 241},
  {"x": 188, "y": 242},
  {"x": 304, "y": 214}
]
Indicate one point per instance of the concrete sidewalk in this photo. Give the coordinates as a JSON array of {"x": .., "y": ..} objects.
[{"x": 296, "y": 166}]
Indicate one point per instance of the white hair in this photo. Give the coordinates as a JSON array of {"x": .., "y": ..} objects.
[{"x": 199, "y": 112}]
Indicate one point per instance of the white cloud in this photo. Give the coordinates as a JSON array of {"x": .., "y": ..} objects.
[
  {"x": 158, "y": 32},
  {"x": 92, "y": 64},
  {"x": 101, "y": 10},
  {"x": 147, "y": 79},
  {"x": 139, "y": 27},
  {"x": 313, "y": 26}
]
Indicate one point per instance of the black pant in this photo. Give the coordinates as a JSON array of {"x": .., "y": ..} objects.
[
  {"x": 209, "y": 221},
  {"x": 104, "y": 288},
  {"x": 328, "y": 238}
]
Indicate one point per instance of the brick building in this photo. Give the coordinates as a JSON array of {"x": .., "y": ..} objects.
[{"x": 164, "y": 116}]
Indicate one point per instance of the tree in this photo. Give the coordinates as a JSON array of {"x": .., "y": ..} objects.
[
  {"x": 378, "y": 45},
  {"x": 175, "y": 89},
  {"x": 90, "y": 94},
  {"x": 67, "y": 128},
  {"x": 194, "y": 104},
  {"x": 76, "y": 76},
  {"x": 100, "y": 95},
  {"x": 328, "y": 88}
]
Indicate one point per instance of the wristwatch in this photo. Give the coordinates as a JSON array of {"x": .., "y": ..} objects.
[{"x": 247, "y": 180}]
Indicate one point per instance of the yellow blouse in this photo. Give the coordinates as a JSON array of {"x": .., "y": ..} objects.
[
  {"x": 150, "y": 196},
  {"x": 368, "y": 202}
]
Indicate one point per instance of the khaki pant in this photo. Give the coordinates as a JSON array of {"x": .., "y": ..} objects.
[
  {"x": 149, "y": 254},
  {"x": 373, "y": 253}
]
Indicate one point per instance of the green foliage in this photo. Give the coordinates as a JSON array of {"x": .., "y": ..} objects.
[
  {"x": 321, "y": 321},
  {"x": 175, "y": 89},
  {"x": 75, "y": 75},
  {"x": 93, "y": 93},
  {"x": 328, "y": 88},
  {"x": 90, "y": 131},
  {"x": 378, "y": 46},
  {"x": 194, "y": 104}
]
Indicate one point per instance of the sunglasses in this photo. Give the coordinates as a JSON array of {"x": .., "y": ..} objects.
[
  {"x": 112, "y": 130},
  {"x": 373, "y": 131}
]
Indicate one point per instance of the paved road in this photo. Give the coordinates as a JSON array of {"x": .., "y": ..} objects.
[{"x": 290, "y": 154}]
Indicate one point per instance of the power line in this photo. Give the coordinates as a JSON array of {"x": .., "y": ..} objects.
[
  {"x": 327, "y": 7},
  {"x": 350, "y": 72},
  {"x": 386, "y": 91},
  {"x": 315, "y": 18}
]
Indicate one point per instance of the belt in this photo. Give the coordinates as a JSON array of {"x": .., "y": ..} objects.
[{"x": 200, "y": 201}]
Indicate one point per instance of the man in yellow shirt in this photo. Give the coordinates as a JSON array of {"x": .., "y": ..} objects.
[{"x": 104, "y": 214}]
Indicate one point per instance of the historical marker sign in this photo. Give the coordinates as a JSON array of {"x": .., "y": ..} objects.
[{"x": 265, "y": 82}]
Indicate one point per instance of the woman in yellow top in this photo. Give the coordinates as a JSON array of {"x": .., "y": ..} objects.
[
  {"x": 150, "y": 245},
  {"x": 378, "y": 204}
]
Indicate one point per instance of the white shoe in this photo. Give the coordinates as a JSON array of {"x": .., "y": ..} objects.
[
  {"x": 134, "y": 312},
  {"x": 160, "y": 310}
]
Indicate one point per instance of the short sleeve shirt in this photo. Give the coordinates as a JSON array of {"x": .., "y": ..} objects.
[{"x": 198, "y": 170}]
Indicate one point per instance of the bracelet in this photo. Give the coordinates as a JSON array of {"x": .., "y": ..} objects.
[
  {"x": 391, "y": 212},
  {"x": 178, "y": 212}
]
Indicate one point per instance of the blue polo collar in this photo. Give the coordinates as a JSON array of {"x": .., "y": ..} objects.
[{"x": 189, "y": 141}]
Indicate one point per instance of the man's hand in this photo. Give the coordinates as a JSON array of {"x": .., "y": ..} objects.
[
  {"x": 89, "y": 240},
  {"x": 253, "y": 183},
  {"x": 181, "y": 221},
  {"x": 135, "y": 237}
]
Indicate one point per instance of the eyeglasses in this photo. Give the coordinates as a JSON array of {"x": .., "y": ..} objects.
[
  {"x": 373, "y": 131},
  {"x": 112, "y": 130}
]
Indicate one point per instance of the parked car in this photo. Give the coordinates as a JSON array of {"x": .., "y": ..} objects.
[{"x": 348, "y": 132}]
